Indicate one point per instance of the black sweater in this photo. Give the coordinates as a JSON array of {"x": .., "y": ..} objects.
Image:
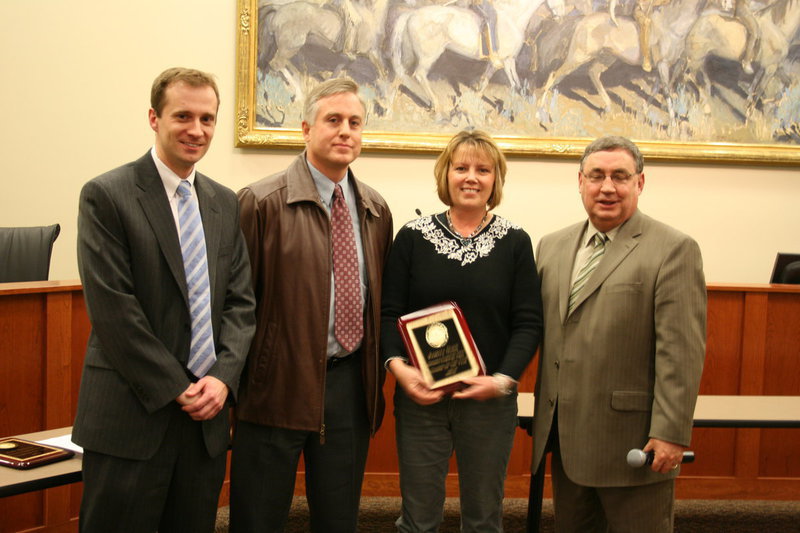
[{"x": 492, "y": 277}]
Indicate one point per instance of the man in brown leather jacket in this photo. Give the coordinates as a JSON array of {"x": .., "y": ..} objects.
[{"x": 302, "y": 390}]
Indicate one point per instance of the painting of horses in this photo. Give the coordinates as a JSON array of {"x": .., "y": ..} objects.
[{"x": 687, "y": 79}]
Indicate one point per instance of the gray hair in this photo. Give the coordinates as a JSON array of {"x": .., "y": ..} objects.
[
  {"x": 325, "y": 89},
  {"x": 614, "y": 142}
]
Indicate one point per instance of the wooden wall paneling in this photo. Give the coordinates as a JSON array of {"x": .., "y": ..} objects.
[
  {"x": 782, "y": 359},
  {"x": 37, "y": 354},
  {"x": 754, "y": 343},
  {"x": 779, "y": 456},
  {"x": 22, "y": 512},
  {"x": 22, "y": 353},
  {"x": 60, "y": 396},
  {"x": 716, "y": 448},
  {"x": 58, "y": 361},
  {"x": 724, "y": 331},
  {"x": 753, "y": 348}
]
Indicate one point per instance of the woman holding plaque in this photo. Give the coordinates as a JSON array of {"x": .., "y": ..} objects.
[{"x": 484, "y": 264}]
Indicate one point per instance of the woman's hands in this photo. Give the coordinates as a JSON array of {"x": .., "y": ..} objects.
[
  {"x": 410, "y": 378},
  {"x": 479, "y": 388}
]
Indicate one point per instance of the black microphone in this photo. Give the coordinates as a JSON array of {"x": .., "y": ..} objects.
[
  {"x": 637, "y": 458},
  {"x": 418, "y": 212}
]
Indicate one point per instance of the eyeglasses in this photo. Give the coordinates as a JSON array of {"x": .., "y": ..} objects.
[{"x": 619, "y": 177}]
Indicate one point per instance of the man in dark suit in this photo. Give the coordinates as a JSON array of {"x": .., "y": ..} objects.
[
  {"x": 318, "y": 240},
  {"x": 624, "y": 343},
  {"x": 169, "y": 297}
]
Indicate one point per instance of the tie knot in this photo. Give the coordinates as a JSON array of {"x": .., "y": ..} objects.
[
  {"x": 337, "y": 192},
  {"x": 184, "y": 189},
  {"x": 599, "y": 239}
]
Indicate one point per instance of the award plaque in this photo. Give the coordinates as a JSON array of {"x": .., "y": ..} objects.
[
  {"x": 24, "y": 454},
  {"x": 440, "y": 345}
]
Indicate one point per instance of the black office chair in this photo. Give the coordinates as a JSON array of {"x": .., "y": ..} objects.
[
  {"x": 25, "y": 252},
  {"x": 791, "y": 273}
]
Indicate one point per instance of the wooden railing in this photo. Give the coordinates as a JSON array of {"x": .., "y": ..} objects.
[{"x": 753, "y": 349}]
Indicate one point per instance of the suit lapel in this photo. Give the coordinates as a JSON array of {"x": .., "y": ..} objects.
[
  {"x": 566, "y": 262},
  {"x": 156, "y": 209},
  {"x": 623, "y": 244}
]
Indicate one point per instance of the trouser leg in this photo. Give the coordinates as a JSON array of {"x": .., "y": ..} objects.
[
  {"x": 335, "y": 468},
  {"x": 581, "y": 509},
  {"x": 483, "y": 434},
  {"x": 424, "y": 447},
  {"x": 175, "y": 490},
  {"x": 193, "y": 495},
  {"x": 263, "y": 471}
]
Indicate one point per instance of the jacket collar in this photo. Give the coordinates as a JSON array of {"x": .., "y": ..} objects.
[{"x": 300, "y": 187}]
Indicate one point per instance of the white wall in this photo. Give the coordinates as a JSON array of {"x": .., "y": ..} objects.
[{"x": 75, "y": 86}]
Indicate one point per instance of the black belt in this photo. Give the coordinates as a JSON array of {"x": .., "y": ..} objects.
[{"x": 333, "y": 362}]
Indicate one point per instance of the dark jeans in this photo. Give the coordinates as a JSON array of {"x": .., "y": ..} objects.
[{"x": 481, "y": 435}]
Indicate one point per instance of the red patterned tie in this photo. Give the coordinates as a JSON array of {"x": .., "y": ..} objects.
[{"x": 349, "y": 323}]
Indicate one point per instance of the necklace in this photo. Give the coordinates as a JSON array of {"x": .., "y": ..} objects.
[{"x": 468, "y": 238}]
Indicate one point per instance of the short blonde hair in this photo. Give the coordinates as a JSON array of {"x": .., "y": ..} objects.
[{"x": 480, "y": 141}]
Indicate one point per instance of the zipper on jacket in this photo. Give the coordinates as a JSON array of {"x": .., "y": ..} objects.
[{"x": 322, "y": 434}]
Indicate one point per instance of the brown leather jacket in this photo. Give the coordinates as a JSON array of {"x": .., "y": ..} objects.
[{"x": 288, "y": 234}]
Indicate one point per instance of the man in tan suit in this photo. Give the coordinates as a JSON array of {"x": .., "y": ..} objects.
[{"x": 624, "y": 343}]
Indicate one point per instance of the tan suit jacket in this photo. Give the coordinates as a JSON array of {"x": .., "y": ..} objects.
[{"x": 625, "y": 365}]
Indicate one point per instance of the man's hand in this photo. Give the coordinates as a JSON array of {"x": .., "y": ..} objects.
[
  {"x": 667, "y": 456},
  {"x": 204, "y": 399},
  {"x": 414, "y": 386}
]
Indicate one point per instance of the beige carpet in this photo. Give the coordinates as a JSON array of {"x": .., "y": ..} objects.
[{"x": 691, "y": 516}]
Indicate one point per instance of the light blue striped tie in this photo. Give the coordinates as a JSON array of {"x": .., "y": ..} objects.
[
  {"x": 195, "y": 264},
  {"x": 599, "y": 241}
]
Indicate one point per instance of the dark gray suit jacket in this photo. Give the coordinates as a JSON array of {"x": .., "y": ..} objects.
[
  {"x": 131, "y": 267},
  {"x": 625, "y": 365}
]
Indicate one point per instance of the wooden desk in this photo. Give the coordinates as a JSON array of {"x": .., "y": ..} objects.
[
  {"x": 713, "y": 411},
  {"x": 13, "y": 481}
]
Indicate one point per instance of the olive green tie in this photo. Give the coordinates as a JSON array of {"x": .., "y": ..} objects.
[{"x": 599, "y": 241}]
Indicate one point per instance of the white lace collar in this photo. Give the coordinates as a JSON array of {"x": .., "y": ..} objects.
[{"x": 465, "y": 251}]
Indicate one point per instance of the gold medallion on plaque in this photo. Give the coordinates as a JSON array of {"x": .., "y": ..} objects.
[{"x": 436, "y": 335}]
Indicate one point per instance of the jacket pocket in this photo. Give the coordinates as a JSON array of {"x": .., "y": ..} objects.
[
  {"x": 95, "y": 356},
  {"x": 635, "y": 287},
  {"x": 631, "y": 401}
]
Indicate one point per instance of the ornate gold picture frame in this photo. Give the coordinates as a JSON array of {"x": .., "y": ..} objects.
[{"x": 525, "y": 71}]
